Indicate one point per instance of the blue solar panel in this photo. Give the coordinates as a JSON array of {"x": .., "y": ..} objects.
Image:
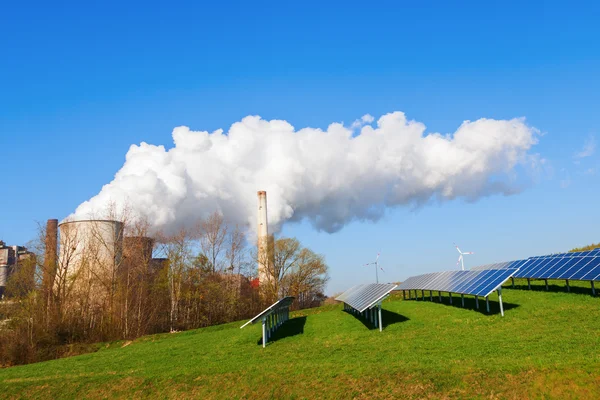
[
  {"x": 583, "y": 265},
  {"x": 479, "y": 283}
]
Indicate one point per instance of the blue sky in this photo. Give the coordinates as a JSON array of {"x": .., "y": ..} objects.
[{"x": 80, "y": 83}]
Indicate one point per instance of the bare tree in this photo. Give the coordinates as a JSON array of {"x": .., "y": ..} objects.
[
  {"x": 212, "y": 233},
  {"x": 178, "y": 250}
]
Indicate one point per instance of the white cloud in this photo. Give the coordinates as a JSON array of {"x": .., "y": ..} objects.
[
  {"x": 329, "y": 177},
  {"x": 364, "y": 120},
  {"x": 367, "y": 118},
  {"x": 589, "y": 148}
]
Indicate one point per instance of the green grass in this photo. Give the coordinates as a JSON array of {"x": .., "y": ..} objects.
[{"x": 546, "y": 346}]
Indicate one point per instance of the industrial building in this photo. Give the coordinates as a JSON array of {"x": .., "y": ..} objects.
[
  {"x": 13, "y": 259},
  {"x": 92, "y": 253}
]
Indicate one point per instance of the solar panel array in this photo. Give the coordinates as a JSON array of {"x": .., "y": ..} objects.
[
  {"x": 476, "y": 283},
  {"x": 580, "y": 266},
  {"x": 363, "y": 297},
  {"x": 282, "y": 303},
  {"x": 272, "y": 317},
  {"x": 365, "y": 301},
  {"x": 500, "y": 265}
]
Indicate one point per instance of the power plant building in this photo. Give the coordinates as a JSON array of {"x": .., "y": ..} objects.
[
  {"x": 90, "y": 252},
  {"x": 12, "y": 259}
]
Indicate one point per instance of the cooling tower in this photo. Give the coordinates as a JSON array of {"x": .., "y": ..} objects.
[{"x": 90, "y": 252}]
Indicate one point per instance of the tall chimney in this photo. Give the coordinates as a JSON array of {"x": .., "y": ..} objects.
[
  {"x": 263, "y": 238},
  {"x": 50, "y": 257}
]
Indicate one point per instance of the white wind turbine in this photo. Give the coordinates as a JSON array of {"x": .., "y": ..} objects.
[
  {"x": 376, "y": 263},
  {"x": 461, "y": 258}
]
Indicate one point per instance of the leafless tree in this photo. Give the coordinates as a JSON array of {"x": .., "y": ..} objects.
[{"x": 213, "y": 232}]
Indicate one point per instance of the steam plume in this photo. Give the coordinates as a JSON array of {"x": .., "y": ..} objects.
[{"x": 329, "y": 177}]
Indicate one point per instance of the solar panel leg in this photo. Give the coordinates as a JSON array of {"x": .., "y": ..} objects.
[
  {"x": 593, "y": 289},
  {"x": 487, "y": 304},
  {"x": 529, "y": 283},
  {"x": 477, "y": 302},
  {"x": 264, "y": 332},
  {"x": 513, "y": 282},
  {"x": 440, "y": 294},
  {"x": 546, "y": 280},
  {"x": 462, "y": 298},
  {"x": 500, "y": 301},
  {"x": 450, "y": 295},
  {"x": 423, "y": 295},
  {"x": 380, "y": 325},
  {"x": 568, "y": 287},
  {"x": 404, "y": 294},
  {"x": 430, "y": 295}
]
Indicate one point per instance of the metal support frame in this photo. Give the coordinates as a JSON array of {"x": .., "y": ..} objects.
[
  {"x": 271, "y": 322},
  {"x": 431, "y": 294},
  {"x": 487, "y": 304},
  {"x": 462, "y": 298},
  {"x": 477, "y": 302},
  {"x": 450, "y": 295},
  {"x": 593, "y": 288},
  {"x": 500, "y": 301},
  {"x": 529, "y": 283},
  {"x": 513, "y": 282},
  {"x": 404, "y": 294},
  {"x": 372, "y": 315},
  {"x": 568, "y": 287},
  {"x": 546, "y": 280},
  {"x": 423, "y": 295},
  {"x": 440, "y": 295}
]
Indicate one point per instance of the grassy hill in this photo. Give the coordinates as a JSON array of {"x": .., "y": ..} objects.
[
  {"x": 586, "y": 248},
  {"x": 547, "y": 346}
]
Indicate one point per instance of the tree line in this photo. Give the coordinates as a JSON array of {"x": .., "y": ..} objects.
[{"x": 96, "y": 289}]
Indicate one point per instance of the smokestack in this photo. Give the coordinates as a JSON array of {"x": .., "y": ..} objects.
[
  {"x": 50, "y": 256},
  {"x": 263, "y": 238}
]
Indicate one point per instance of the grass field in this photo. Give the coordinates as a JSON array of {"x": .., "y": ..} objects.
[{"x": 547, "y": 346}]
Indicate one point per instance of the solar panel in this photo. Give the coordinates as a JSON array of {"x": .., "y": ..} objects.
[
  {"x": 348, "y": 292},
  {"x": 272, "y": 317},
  {"x": 582, "y": 266},
  {"x": 500, "y": 265},
  {"x": 474, "y": 282},
  {"x": 366, "y": 300}
]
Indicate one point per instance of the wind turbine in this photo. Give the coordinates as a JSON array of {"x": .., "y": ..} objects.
[
  {"x": 376, "y": 263},
  {"x": 461, "y": 258}
]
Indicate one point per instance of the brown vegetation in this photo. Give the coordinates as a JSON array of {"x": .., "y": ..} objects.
[{"x": 94, "y": 290}]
